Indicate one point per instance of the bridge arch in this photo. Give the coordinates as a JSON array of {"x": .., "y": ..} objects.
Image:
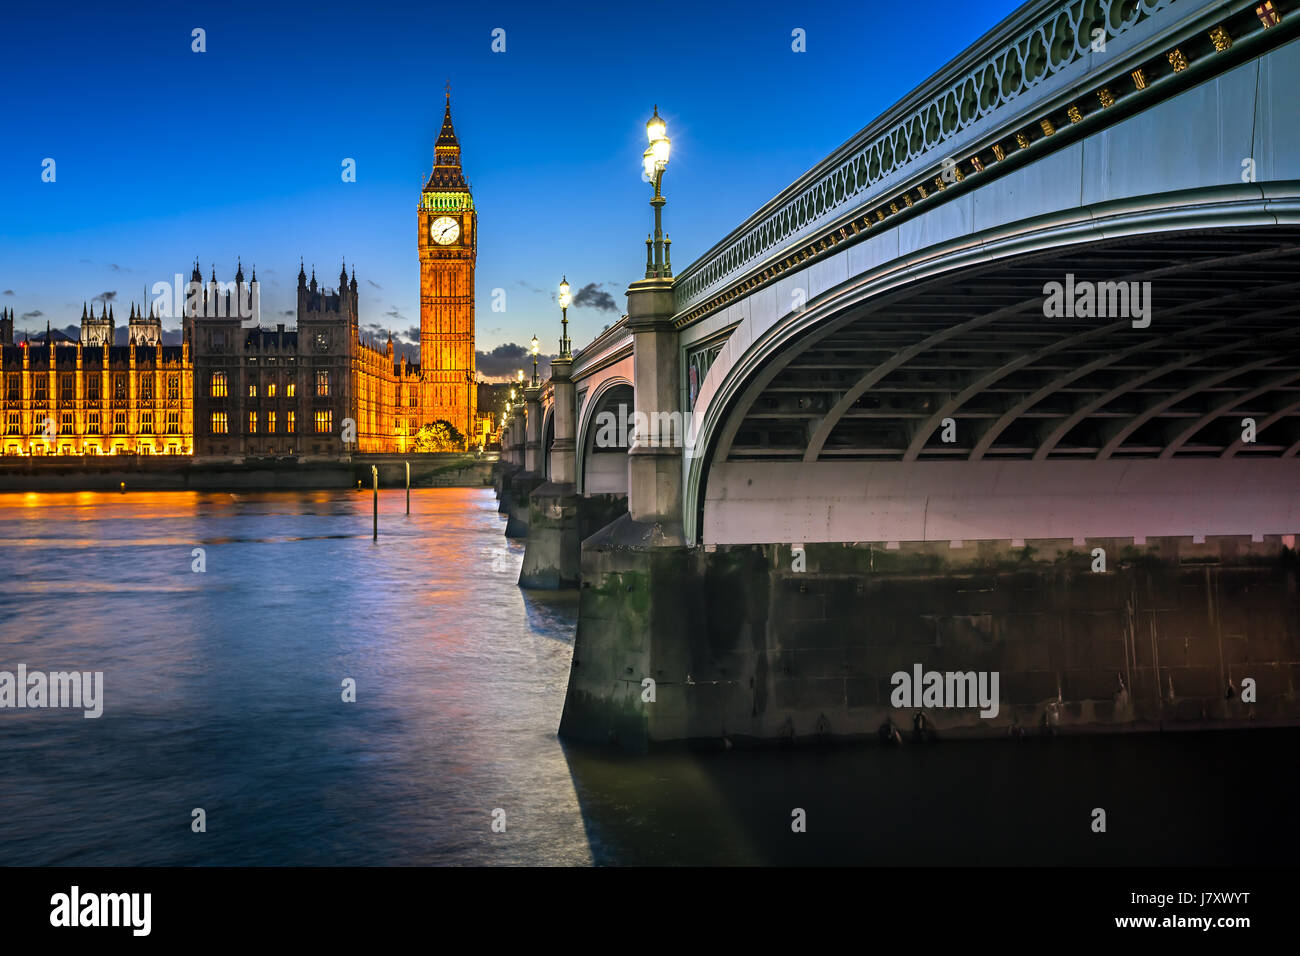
[
  {"x": 548, "y": 439},
  {"x": 857, "y": 386},
  {"x": 603, "y": 469}
]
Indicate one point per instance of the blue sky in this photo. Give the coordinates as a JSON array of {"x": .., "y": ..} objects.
[{"x": 163, "y": 154}]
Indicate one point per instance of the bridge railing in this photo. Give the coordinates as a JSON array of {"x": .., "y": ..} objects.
[{"x": 1043, "y": 50}]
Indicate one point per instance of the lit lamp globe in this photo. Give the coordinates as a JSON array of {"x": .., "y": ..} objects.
[
  {"x": 656, "y": 131},
  {"x": 565, "y": 298}
]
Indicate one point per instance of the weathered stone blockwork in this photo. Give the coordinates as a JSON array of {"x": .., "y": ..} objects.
[{"x": 743, "y": 647}]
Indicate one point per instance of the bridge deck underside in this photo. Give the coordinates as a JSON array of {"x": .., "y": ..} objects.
[{"x": 1222, "y": 345}]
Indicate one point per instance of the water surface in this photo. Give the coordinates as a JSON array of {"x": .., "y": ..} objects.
[{"x": 223, "y": 691}]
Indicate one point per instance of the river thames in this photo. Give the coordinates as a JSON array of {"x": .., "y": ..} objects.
[{"x": 222, "y": 691}]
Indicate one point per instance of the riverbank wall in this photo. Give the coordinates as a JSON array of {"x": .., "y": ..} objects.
[{"x": 93, "y": 473}]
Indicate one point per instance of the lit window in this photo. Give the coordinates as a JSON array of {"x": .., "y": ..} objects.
[
  {"x": 252, "y": 390},
  {"x": 289, "y": 389},
  {"x": 119, "y": 387},
  {"x": 146, "y": 388},
  {"x": 67, "y": 389},
  {"x": 324, "y": 421},
  {"x": 289, "y": 421},
  {"x": 146, "y": 423},
  {"x": 119, "y": 423},
  {"x": 92, "y": 423},
  {"x": 218, "y": 387},
  {"x": 252, "y": 423},
  {"x": 219, "y": 423},
  {"x": 13, "y": 425},
  {"x": 15, "y": 387},
  {"x": 92, "y": 388},
  {"x": 65, "y": 426},
  {"x": 270, "y": 389},
  {"x": 173, "y": 388},
  {"x": 270, "y": 422},
  {"x": 322, "y": 382},
  {"x": 173, "y": 423},
  {"x": 39, "y": 392}
]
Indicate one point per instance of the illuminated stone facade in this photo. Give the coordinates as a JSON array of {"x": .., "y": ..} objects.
[
  {"x": 448, "y": 243},
  {"x": 69, "y": 397}
]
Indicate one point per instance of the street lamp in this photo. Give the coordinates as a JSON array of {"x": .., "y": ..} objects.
[
  {"x": 565, "y": 299},
  {"x": 535, "y": 345},
  {"x": 653, "y": 162}
]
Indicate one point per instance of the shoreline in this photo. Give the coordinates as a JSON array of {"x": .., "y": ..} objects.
[{"x": 440, "y": 470}]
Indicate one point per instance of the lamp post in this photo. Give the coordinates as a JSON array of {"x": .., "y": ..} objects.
[
  {"x": 565, "y": 349},
  {"x": 654, "y": 161},
  {"x": 535, "y": 345}
]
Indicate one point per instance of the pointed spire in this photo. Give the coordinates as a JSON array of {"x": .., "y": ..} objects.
[
  {"x": 239, "y": 269},
  {"x": 447, "y": 173},
  {"x": 110, "y": 311},
  {"x": 353, "y": 284},
  {"x": 343, "y": 276},
  {"x": 83, "y": 310},
  {"x": 254, "y": 279}
]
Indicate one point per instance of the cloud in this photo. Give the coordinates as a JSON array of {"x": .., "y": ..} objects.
[
  {"x": 287, "y": 312},
  {"x": 105, "y": 297},
  {"x": 32, "y": 315},
  {"x": 504, "y": 361},
  {"x": 9, "y": 292},
  {"x": 116, "y": 268},
  {"x": 591, "y": 295},
  {"x": 531, "y": 288},
  {"x": 370, "y": 282},
  {"x": 412, "y": 334},
  {"x": 395, "y": 314}
]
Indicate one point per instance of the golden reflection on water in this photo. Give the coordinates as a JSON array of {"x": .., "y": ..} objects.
[{"x": 460, "y": 678}]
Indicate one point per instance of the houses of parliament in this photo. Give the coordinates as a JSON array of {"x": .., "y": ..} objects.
[{"x": 321, "y": 389}]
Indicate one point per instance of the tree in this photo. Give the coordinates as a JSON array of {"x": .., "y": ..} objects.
[{"x": 439, "y": 436}]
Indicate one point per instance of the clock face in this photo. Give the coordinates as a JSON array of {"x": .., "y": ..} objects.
[
  {"x": 444, "y": 230},
  {"x": 322, "y": 341}
]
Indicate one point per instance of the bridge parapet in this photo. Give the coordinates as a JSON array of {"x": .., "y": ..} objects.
[{"x": 1030, "y": 79}]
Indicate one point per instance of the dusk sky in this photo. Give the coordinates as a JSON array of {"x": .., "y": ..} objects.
[{"x": 163, "y": 154}]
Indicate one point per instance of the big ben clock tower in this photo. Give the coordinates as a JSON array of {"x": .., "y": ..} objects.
[{"x": 448, "y": 244}]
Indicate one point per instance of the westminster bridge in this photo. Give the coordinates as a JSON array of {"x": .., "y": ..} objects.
[{"x": 1009, "y": 382}]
